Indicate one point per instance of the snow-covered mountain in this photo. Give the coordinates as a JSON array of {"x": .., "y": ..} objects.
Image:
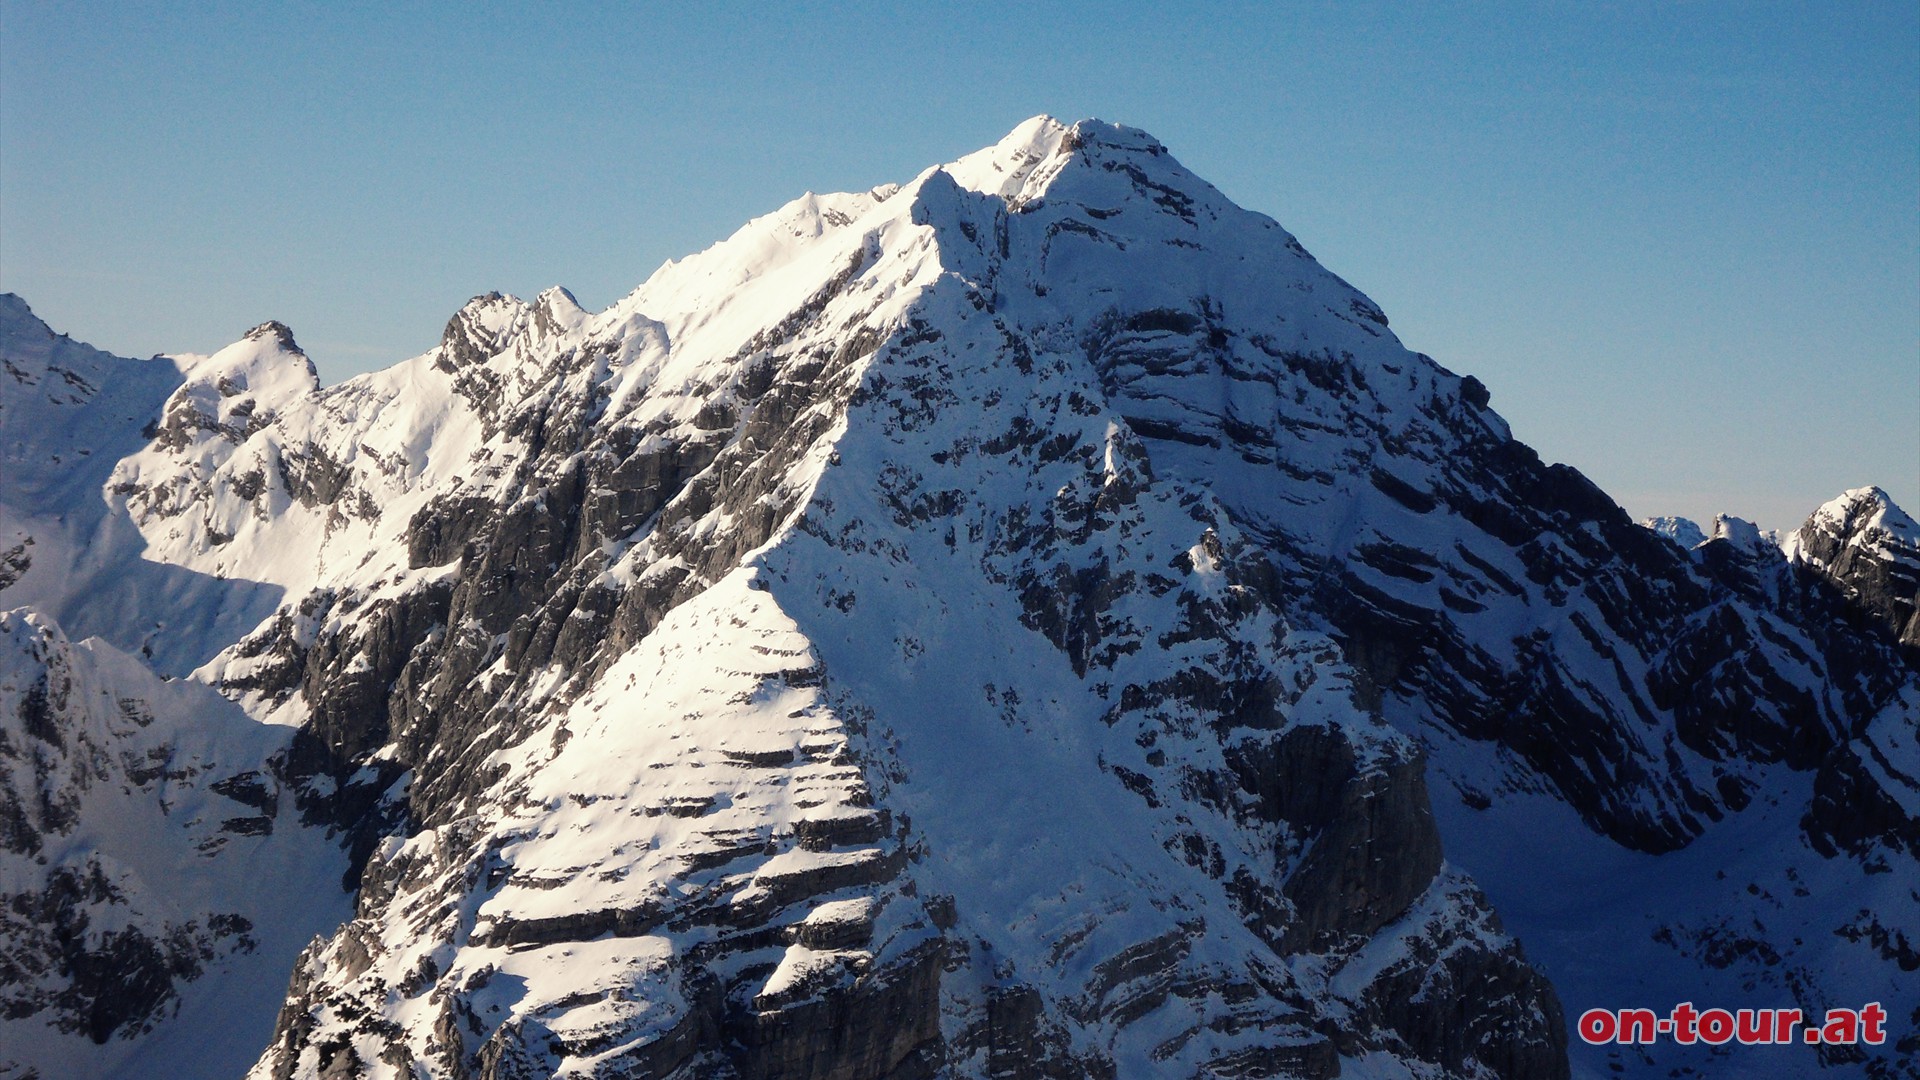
[
  {"x": 1033, "y": 621},
  {"x": 1870, "y": 548}
]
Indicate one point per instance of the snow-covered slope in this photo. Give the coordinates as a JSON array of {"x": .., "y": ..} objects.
[
  {"x": 1028, "y": 621},
  {"x": 69, "y": 415},
  {"x": 153, "y": 875}
]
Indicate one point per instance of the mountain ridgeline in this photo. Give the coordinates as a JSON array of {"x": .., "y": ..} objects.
[{"x": 1030, "y": 622}]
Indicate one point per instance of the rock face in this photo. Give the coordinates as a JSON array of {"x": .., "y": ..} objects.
[
  {"x": 1030, "y": 622},
  {"x": 1870, "y": 548}
]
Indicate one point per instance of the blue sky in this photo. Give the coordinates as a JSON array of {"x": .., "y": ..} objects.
[{"x": 1681, "y": 244}]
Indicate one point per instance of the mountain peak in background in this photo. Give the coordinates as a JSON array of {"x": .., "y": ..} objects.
[
  {"x": 1871, "y": 548},
  {"x": 1032, "y": 621}
]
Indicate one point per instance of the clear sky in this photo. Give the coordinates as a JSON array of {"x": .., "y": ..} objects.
[{"x": 1680, "y": 243}]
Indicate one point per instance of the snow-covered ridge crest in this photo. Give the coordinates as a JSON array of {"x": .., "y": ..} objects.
[
  {"x": 1018, "y": 167},
  {"x": 1865, "y": 517},
  {"x": 250, "y": 436}
]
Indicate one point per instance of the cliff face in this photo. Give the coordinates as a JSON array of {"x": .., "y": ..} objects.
[{"x": 1034, "y": 621}]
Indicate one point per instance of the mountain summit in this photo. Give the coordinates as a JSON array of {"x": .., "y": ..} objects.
[{"x": 1032, "y": 621}]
